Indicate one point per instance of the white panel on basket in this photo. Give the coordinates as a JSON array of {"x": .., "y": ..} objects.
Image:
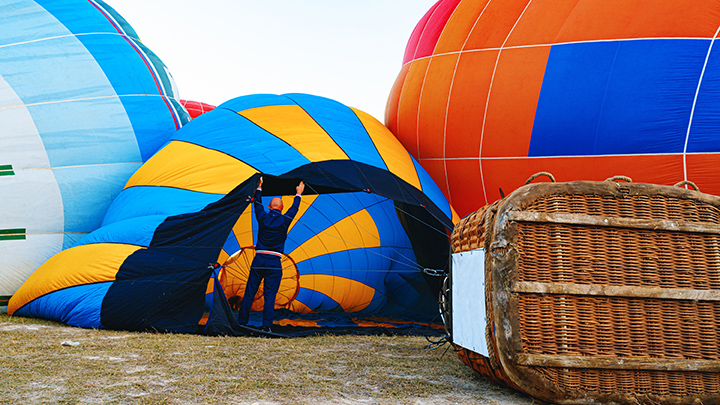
[{"x": 468, "y": 300}]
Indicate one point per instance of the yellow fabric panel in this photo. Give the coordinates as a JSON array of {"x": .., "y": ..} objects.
[
  {"x": 243, "y": 231},
  {"x": 86, "y": 264},
  {"x": 191, "y": 167},
  {"x": 293, "y": 125},
  {"x": 350, "y": 294},
  {"x": 353, "y": 232},
  {"x": 455, "y": 217},
  {"x": 299, "y": 307},
  {"x": 391, "y": 150},
  {"x": 305, "y": 203}
]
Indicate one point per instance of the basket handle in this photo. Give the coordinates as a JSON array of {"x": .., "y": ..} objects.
[
  {"x": 616, "y": 178},
  {"x": 688, "y": 183},
  {"x": 538, "y": 174}
]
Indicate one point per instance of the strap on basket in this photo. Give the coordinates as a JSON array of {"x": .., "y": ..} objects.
[
  {"x": 687, "y": 183},
  {"x": 617, "y": 178},
  {"x": 538, "y": 174}
]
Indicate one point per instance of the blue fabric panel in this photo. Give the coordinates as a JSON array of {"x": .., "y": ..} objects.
[
  {"x": 625, "y": 97},
  {"x": 571, "y": 98},
  {"x": 341, "y": 123},
  {"x": 368, "y": 265},
  {"x": 220, "y": 129},
  {"x": 88, "y": 191},
  {"x": 431, "y": 190},
  {"x": 143, "y": 201},
  {"x": 316, "y": 301},
  {"x": 86, "y": 132},
  {"x": 135, "y": 231},
  {"x": 254, "y": 101},
  {"x": 706, "y": 120},
  {"x": 79, "y": 17},
  {"x": 25, "y": 20},
  {"x": 231, "y": 244},
  {"x": 76, "y": 306},
  {"x": 70, "y": 239},
  {"x": 326, "y": 210},
  {"x": 152, "y": 122},
  {"x": 392, "y": 233},
  {"x": 130, "y": 73}
]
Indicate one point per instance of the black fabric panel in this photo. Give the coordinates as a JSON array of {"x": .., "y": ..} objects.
[{"x": 163, "y": 287}]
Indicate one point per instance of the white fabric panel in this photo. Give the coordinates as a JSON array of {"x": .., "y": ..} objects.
[
  {"x": 468, "y": 300},
  {"x": 20, "y": 258},
  {"x": 21, "y": 143}
]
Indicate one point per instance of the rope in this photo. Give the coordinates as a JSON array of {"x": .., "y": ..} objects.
[
  {"x": 619, "y": 177},
  {"x": 687, "y": 183},
  {"x": 538, "y": 174}
]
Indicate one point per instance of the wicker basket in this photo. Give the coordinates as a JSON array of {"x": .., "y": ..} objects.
[{"x": 600, "y": 292}]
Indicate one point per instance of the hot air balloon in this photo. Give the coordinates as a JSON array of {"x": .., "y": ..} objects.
[
  {"x": 493, "y": 91},
  {"x": 82, "y": 104},
  {"x": 195, "y": 108},
  {"x": 173, "y": 246}
]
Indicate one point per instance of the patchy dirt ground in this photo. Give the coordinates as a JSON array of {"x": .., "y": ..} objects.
[{"x": 45, "y": 362}]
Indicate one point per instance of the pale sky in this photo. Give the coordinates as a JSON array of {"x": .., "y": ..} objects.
[{"x": 347, "y": 50}]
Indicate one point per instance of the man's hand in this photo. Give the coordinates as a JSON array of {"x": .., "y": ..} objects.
[
  {"x": 300, "y": 187},
  {"x": 260, "y": 183}
]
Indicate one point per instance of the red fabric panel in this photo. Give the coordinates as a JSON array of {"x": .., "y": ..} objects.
[
  {"x": 702, "y": 170},
  {"x": 466, "y": 185},
  {"x": 435, "y": 25}
]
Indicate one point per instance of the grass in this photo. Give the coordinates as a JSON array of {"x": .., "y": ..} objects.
[{"x": 149, "y": 368}]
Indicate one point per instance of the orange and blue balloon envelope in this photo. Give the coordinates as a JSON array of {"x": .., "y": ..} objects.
[
  {"x": 492, "y": 92},
  {"x": 82, "y": 104},
  {"x": 175, "y": 243}
]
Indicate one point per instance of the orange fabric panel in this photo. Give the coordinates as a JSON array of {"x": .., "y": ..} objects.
[
  {"x": 307, "y": 323},
  {"x": 459, "y": 26},
  {"x": 391, "y": 108},
  {"x": 512, "y": 173},
  {"x": 495, "y": 24},
  {"x": 541, "y": 23},
  {"x": 350, "y": 294},
  {"x": 466, "y": 185},
  {"x": 191, "y": 167},
  {"x": 80, "y": 265},
  {"x": 406, "y": 130},
  {"x": 513, "y": 100},
  {"x": 433, "y": 105},
  {"x": 391, "y": 151},
  {"x": 467, "y": 103},
  {"x": 299, "y": 307},
  {"x": 702, "y": 169},
  {"x": 293, "y": 125},
  {"x": 613, "y": 19}
]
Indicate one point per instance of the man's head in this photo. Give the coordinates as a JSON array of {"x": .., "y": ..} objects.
[{"x": 276, "y": 204}]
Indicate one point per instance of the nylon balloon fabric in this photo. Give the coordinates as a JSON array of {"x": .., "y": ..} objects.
[
  {"x": 82, "y": 104},
  {"x": 174, "y": 248},
  {"x": 492, "y": 92}
]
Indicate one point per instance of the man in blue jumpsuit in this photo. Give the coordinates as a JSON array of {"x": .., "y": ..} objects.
[{"x": 272, "y": 232}]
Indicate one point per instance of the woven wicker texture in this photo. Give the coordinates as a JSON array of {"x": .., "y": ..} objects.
[{"x": 584, "y": 292}]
